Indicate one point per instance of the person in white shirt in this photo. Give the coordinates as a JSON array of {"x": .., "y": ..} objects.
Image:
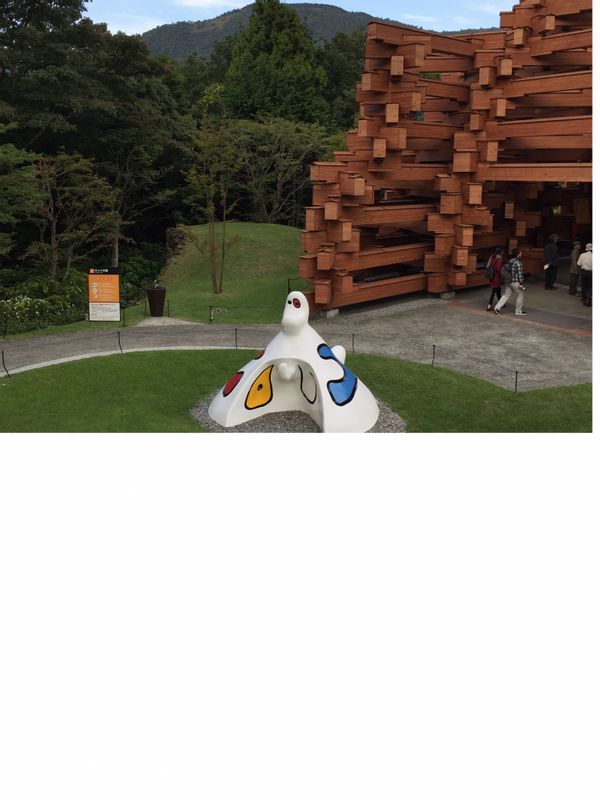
[{"x": 585, "y": 262}]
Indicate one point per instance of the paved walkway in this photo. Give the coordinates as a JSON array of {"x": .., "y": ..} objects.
[{"x": 552, "y": 346}]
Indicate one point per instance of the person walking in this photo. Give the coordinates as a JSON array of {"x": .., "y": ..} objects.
[
  {"x": 495, "y": 264},
  {"x": 574, "y": 269},
  {"x": 585, "y": 262},
  {"x": 551, "y": 262},
  {"x": 515, "y": 284}
]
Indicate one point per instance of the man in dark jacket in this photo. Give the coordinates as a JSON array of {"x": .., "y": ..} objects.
[{"x": 551, "y": 260}]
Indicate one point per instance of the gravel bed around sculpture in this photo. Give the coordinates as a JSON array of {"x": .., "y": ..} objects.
[{"x": 291, "y": 422}]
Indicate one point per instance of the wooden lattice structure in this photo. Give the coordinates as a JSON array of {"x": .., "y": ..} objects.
[{"x": 464, "y": 143}]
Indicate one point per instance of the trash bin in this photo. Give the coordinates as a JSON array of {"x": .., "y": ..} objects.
[{"x": 156, "y": 300}]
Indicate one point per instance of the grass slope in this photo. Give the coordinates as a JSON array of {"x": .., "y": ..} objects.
[
  {"x": 260, "y": 258},
  {"x": 153, "y": 392}
]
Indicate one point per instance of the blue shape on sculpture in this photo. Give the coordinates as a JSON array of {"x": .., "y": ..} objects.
[{"x": 341, "y": 390}]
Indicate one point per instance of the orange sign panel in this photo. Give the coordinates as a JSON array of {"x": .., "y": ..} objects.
[{"x": 103, "y": 288}]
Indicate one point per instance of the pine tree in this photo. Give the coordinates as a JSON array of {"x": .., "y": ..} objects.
[
  {"x": 273, "y": 70},
  {"x": 342, "y": 59}
]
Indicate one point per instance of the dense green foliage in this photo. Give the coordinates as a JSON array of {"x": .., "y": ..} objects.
[{"x": 155, "y": 392}]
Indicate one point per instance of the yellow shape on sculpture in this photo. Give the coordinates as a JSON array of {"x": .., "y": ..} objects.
[{"x": 261, "y": 390}]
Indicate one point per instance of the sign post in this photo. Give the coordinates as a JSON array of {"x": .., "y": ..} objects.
[{"x": 104, "y": 295}]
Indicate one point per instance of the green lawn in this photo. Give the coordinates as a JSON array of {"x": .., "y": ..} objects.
[
  {"x": 153, "y": 392},
  {"x": 260, "y": 259}
]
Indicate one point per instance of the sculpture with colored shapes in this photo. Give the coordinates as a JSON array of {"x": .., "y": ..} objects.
[{"x": 298, "y": 371}]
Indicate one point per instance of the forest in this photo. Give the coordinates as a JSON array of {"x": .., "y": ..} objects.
[{"x": 106, "y": 149}]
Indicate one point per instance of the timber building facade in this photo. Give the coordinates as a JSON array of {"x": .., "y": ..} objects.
[{"x": 463, "y": 143}]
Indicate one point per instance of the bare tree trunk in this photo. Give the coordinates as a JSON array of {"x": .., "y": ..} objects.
[
  {"x": 115, "y": 249},
  {"x": 69, "y": 258},
  {"x": 222, "y": 265},
  {"x": 212, "y": 253},
  {"x": 53, "y": 250}
]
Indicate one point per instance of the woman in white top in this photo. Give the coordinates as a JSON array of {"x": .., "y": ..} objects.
[{"x": 585, "y": 263}]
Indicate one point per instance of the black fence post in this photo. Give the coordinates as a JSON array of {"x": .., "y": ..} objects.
[
  {"x": 433, "y": 359},
  {"x": 289, "y": 285},
  {"x": 119, "y": 338},
  {"x": 4, "y": 365},
  {"x": 516, "y": 378}
]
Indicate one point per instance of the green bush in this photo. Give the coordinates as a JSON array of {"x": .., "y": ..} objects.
[{"x": 23, "y": 313}]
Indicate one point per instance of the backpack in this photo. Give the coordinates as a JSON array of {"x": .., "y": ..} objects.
[
  {"x": 506, "y": 271},
  {"x": 489, "y": 269}
]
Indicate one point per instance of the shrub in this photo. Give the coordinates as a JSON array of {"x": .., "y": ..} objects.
[{"x": 23, "y": 313}]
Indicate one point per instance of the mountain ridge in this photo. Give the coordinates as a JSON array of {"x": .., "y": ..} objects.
[{"x": 180, "y": 39}]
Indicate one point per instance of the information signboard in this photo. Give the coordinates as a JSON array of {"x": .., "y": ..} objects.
[{"x": 104, "y": 295}]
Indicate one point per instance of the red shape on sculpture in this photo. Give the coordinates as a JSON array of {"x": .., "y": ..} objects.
[{"x": 232, "y": 383}]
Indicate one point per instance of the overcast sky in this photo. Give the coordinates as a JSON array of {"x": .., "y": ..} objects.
[{"x": 138, "y": 16}]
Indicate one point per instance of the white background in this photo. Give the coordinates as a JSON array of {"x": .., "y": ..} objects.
[{"x": 284, "y": 617}]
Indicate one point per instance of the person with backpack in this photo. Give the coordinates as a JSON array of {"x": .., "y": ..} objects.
[
  {"x": 513, "y": 278},
  {"x": 492, "y": 273}
]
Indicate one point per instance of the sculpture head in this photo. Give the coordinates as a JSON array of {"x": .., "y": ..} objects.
[{"x": 295, "y": 312}]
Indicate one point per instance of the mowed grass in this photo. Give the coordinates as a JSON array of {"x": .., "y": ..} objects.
[
  {"x": 434, "y": 399},
  {"x": 137, "y": 392},
  {"x": 259, "y": 261},
  {"x": 155, "y": 391}
]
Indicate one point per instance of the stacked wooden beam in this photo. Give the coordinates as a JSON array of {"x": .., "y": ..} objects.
[{"x": 463, "y": 143}]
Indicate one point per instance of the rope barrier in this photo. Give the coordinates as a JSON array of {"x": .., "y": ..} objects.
[{"x": 258, "y": 336}]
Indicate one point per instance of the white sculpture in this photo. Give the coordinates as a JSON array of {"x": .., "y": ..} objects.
[{"x": 297, "y": 371}]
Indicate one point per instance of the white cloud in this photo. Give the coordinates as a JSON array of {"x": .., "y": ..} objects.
[
  {"x": 489, "y": 8},
  {"x": 212, "y": 3},
  {"x": 131, "y": 23},
  {"x": 418, "y": 17}
]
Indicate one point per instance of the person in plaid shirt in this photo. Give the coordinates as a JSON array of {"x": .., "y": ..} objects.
[{"x": 516, "y": 285}]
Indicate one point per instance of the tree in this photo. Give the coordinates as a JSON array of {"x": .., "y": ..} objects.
[
  {"x": 196, "y": 72},
  {"x": 19, "y": 192},
  {"x": 73, "y": 86},
  {"x": 144, "y": 137},
  {"x": 342, "y": 60},
  {"x": 75, "y": 218},
  {"x": 275, "y": 173},
  {"x": 220, "y": 58},
  {"x": 273, "y": 68},
  {"x": 49, "y": 73},
  {"x": 217, "y": 161}
]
